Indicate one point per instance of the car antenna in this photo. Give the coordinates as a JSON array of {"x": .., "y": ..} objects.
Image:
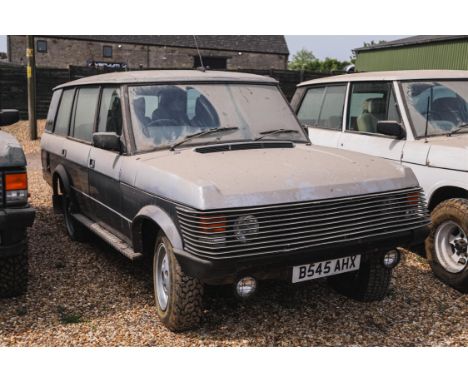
[
  {"x": 202, "y": 67},
  {"x": 429, "y": 103}
]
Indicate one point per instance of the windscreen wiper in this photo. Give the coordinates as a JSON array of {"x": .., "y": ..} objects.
[
  {"x": 276, "y": 131},
  {"x": 457, "y": 129},
  {"x": 202, "y": 134}
]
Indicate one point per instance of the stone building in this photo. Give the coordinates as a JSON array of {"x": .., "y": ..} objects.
[{"x": 140, "y": 52}]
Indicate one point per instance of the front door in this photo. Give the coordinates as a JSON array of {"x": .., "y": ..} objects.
[{"x": 369, "y": 103}]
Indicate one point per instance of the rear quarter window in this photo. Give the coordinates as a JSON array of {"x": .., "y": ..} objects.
[
  {"x": 62, "y": 121},
  {"x": 54, "y": 102}
]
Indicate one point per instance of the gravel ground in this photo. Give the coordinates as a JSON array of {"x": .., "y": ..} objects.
[{"x": 89, "y": 295}]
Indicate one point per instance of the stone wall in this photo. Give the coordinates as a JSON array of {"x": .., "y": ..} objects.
[{"x": 62, "y": 53}]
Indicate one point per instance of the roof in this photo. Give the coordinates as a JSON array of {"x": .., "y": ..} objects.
[
  {"x": 238, "y": 43},
  {"x": 413, "y": 40},
  {"x": 392, "y": 76},
  {"x": 169, "y": 76}
]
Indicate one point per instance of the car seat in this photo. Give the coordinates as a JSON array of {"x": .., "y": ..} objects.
[{"x": 373, "y": 110}]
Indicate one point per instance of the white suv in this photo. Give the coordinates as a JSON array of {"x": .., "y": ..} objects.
[{"x": 418, "y": 118}]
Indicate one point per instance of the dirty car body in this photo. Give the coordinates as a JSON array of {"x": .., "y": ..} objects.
[
  {"x": 218, "y": 163},
  {"x": 16, "y": 215},
  {"x": 418, "y": 118}
]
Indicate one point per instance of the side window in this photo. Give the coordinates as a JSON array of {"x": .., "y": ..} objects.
[
  {"x": 85, "y": 113},
  {"x": 110, "y": 114},
  {"x": 53, "y": 110},
  {"x": 323, "y": 107},
  {"x": 309, "y": 111},
  {"x": 371, "y": 102},
  {"x": 62, "y": 121}
]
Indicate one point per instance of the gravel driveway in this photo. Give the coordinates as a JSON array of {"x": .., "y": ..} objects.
[{"x": 89, "y": 295}]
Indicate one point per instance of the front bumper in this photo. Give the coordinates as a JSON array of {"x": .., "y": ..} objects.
[{"x": 227, "y": 270}]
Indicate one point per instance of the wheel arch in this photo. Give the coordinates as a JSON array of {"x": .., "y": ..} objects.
[
  {"x": 146, "y": 225},
  {"x": 59, "y": 179},
  {"x": 60, "y": 174},
  {"x": 445, "y": 193}
]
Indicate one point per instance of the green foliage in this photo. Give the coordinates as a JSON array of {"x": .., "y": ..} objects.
[
  {"x": 67, "y": 317},
  {"x": 306, "y": 61},
  {"x": 372, "y": 43}
]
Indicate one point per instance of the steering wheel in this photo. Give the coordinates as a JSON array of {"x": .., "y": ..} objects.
[{"x": 168, "y": 129}]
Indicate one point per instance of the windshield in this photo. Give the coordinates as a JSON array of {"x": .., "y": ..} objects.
[
  {"x": 442, "y": 103},
  {"x": 165, "y": 114}
]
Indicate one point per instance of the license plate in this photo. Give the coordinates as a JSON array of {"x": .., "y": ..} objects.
[{"x": 325, "y": 268}]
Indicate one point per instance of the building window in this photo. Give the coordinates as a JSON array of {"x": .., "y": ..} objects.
[
  {"x": 107, "y": 51},
  {"x": 210, "y": 62},
  {"x": 41, "y": 46}
]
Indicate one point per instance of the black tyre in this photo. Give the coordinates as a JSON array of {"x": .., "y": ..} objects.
[
  {"x": 446, "y": 246},
  {"x": 369, "y": 283},
  {"x": 178, "y": 296},
  {"x": 14, "y": 274},
  {"x": 76, "y": 230}
]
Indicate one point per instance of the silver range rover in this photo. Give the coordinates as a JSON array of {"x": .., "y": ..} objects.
[{"x": 211, "y": 174}]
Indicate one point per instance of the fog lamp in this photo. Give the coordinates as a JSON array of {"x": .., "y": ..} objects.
[
  {"x": 246, "y": 287},
  {"x": 391, "y": 259}
]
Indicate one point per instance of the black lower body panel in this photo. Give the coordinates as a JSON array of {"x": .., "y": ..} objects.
[{"x": 227, "y": 270}]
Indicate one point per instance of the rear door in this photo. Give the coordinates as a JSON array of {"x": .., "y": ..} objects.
[
  {"x": 105, "y": 166},
  {"x": 369, "y": 103},
  {"x": 321, "y": 112},
  {"x": 78, "y": 145}
]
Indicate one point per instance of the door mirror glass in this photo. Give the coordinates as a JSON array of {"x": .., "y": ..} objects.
[
  {"x": 8, "y": 117},
  {"x": 391, "y": 128},
  {"x": 107, "y": 141}
]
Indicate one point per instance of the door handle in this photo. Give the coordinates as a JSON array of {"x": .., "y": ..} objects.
[
  {"x": 92, "y": 163},
  {"x": 64, "y": 152}
]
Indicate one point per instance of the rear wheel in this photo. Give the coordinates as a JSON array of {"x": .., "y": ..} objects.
[
  {"x": 369, "y": 283},
  {"x": 178, "y": 296},
  {"x": 75, "y": 229},
  {"x": 14, "y": 274},
  {"x": 446, "y": 246}
]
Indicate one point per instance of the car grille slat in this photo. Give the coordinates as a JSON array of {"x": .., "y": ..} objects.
[
  {"x": 318, "y": 233},
  {"x": 306, "y": 210},
  {"x": 190, "y": 226},
  {"x": 295, "y": 231},
  {"x": 296, "y": 226}
]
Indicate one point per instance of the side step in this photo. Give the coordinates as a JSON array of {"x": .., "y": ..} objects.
[{"x": 108, "y": 237}]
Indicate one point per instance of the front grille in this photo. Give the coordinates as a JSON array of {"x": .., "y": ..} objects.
[
  {"x": 1, "y": 188},
  {"x": 298, "y": 226}
]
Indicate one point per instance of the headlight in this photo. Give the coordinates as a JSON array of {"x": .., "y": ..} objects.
[
  {"x": 245, "y": 226},
  {"x": 16, "y": 188}
]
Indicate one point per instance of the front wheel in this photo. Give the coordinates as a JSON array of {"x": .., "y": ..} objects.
[
  {"x": 178, "y": 296},
  {"x": 370, "y": 283},
  {"x": 446, "y": 246}
]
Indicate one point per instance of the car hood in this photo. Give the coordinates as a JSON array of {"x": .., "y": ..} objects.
[
  {"x": 449, "y": 152},
  {"x": 11, "y": 153},
  {"x": 266, "y": 176}
]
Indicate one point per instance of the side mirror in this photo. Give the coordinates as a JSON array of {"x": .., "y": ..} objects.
[
  {"x": 8, "y": 117},
  {"x": 391, "y": 128},
  {"x": 107, "y": 141}
]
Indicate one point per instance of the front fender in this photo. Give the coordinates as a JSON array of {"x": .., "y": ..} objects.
[{"x": 163, "y": 221}]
